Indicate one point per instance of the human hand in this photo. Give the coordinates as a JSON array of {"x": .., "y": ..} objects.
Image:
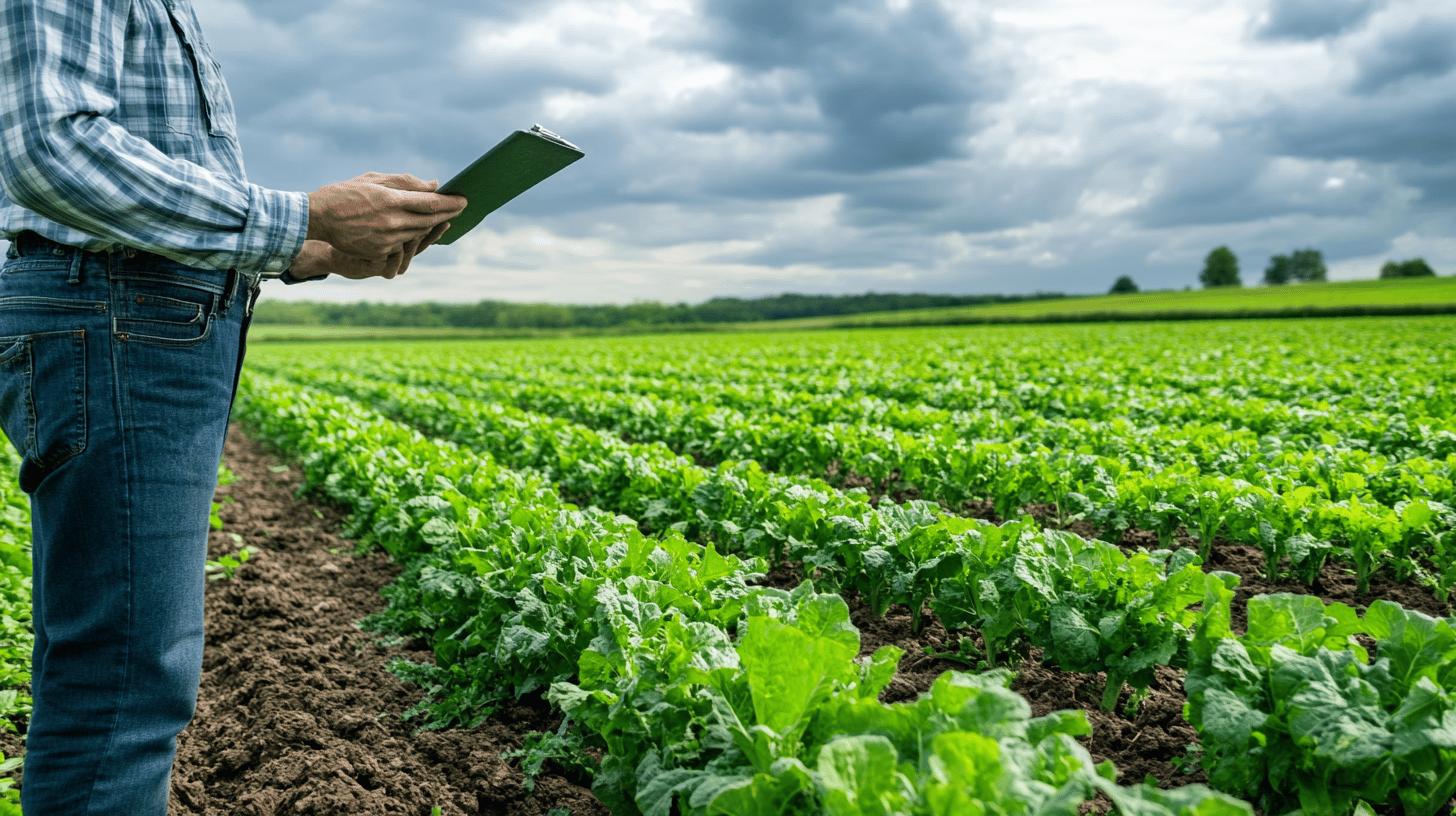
[
  {"x": 320, "y": 259},
  {"x": 378, "y": 215}
]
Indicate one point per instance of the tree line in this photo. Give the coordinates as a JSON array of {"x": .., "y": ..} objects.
[
  {"x": 499, "y": 314},
  {"x": 1221, "y": 269}
]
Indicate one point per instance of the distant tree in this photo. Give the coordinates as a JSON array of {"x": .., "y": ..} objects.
[
  {"x": 1413, "y": 268},
  {"x": 1220, "y": 268},
  {"x": 1123, "y": 286},
  {"x": 1277, "y": 272},
  {"x": 1308, "y": 265}
]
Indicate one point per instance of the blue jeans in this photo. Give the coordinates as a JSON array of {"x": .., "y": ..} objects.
[{"x": 117, "y": 373}]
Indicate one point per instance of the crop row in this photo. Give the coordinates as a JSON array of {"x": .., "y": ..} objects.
[
  {"x": 1299, "y": 507},
  {"x": 1304, "y": 450},
  {"x": 1295, "y": 757},
  {"x": 710, "y": 694},
  {"x": 1383, "y": 385},
  {"x": 1138, "y": 410},
  {"x": 15, "y": 630},
  {"x": 1085, "y": 603}
]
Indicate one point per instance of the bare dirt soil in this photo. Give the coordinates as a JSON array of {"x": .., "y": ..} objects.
[{"x": 298, "y": 713}]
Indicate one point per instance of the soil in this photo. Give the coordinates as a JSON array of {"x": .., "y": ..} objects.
[
  {"x": 1335, "y": 583},
  {"x": 1144, "y": 745},
  {"x": 297, "y": 712}
]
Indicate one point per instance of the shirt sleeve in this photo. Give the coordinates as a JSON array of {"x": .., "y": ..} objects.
[{"x": 64, "y": 158}]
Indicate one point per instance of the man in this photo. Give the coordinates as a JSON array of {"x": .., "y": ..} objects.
[{"x": 137, "y": 249}]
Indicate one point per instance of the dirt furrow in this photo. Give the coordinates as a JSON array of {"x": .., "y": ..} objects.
[{"x": 298, "y": 713}]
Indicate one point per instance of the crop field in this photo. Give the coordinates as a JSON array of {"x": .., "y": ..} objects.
[
  {"x": 1411, "y": 293},
  {"x": 1184, "y": 568},
  {"x": 685, "y": 544}
]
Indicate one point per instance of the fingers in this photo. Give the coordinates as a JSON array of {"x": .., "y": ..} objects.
[
  {"x": 410, "y": 249},
  {"x": 438, "y": 207},
  {"x": 392, "y": 265},
  {"x": 405, "y": 181},
  {"x": 401, "y": 181},
  {"x": 439, "y": 230}
]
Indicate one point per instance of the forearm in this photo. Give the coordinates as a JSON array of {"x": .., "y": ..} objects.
[{"x": 89, "y": 173}]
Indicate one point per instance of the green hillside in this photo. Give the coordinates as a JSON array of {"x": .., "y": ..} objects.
[{"x": 1347, "y": 295}]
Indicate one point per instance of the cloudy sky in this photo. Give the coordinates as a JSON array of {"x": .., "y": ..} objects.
[{"x": 760, "y": 146}]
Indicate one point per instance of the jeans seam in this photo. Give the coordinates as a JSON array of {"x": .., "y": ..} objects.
[
  {"x": 52, "y": 303},
  {"x": 150, "y": 276},
  {"x": 32, "y": 432},
  {"x": 123, "y": 432},
  {"x": 60, "y": 456}
]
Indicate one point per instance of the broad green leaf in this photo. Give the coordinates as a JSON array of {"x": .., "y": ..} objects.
[
  {"x": 860, "y": 776},
  {"x": 789, "y": 668},
  {"x": 1074, "y": 640},
  {"x": 1191, "y": 800},
  {"x": 1417, "y": 645},
  {"x": 879, "y": 670},
  {"x": 965, "y": 773},
  {"x": 1301, "y": 622}
]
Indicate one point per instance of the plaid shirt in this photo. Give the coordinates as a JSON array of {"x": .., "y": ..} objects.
[{"x": 117, "y": 130}]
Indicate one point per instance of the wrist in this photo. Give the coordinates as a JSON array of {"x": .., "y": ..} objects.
[{"x": 317, "y": 225}]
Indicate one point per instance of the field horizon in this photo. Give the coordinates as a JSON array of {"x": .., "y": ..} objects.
[{"x": 1375, "y": 297}]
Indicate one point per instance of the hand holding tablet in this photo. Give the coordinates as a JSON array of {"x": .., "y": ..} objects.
[{"x": 521, "y": 161}]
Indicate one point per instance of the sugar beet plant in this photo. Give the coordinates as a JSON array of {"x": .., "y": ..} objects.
[
  {"x": 1297, "y": 717},
  {"x": 1302, "y": 484},
  {"x": 15, "y": 629},
  {"x": 1085, "y": 603},
  {"x": 710, "y": 695}
]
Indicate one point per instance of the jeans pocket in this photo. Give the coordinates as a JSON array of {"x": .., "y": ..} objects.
[
  {"x": 163, "y": 314},
  {"x": 43, "y": 400}
]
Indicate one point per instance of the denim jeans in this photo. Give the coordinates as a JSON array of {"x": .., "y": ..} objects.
[{"x": 117, "y": 374}]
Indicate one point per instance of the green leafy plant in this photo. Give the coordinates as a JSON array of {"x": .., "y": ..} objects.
[
  {"x": 224, "y": 567},
  {"x": 563, "y": 747},
  {"x": 9, "y": 794},
  {"x": 1296, "y": 715}
]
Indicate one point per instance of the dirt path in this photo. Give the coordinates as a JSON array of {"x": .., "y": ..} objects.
[{"x": 297, "y": 713}]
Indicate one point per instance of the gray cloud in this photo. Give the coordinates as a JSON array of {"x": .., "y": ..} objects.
[
  {"x": 1423, "y": 49},
  {"x": 756, "y": 146},
  {"x": 895, "y": 88},
  {"x": 1313, "y": 19}
]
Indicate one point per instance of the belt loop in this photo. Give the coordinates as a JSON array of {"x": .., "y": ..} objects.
[
  {"x": 229, "y": 290},
  {"x": 255, "y": 288},
  {"x": 77, "y": 259}
]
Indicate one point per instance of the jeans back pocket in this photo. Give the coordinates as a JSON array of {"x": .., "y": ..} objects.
[{"x": 43, "y": 400}]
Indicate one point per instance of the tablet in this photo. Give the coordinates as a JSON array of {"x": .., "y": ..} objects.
[{"x": 521, "y": 161}]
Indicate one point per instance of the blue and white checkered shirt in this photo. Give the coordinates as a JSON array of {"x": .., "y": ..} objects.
[{"x": 117, "y": 130}]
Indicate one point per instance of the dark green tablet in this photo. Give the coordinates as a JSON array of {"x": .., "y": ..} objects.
[{"x": 521, "y": 161}]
